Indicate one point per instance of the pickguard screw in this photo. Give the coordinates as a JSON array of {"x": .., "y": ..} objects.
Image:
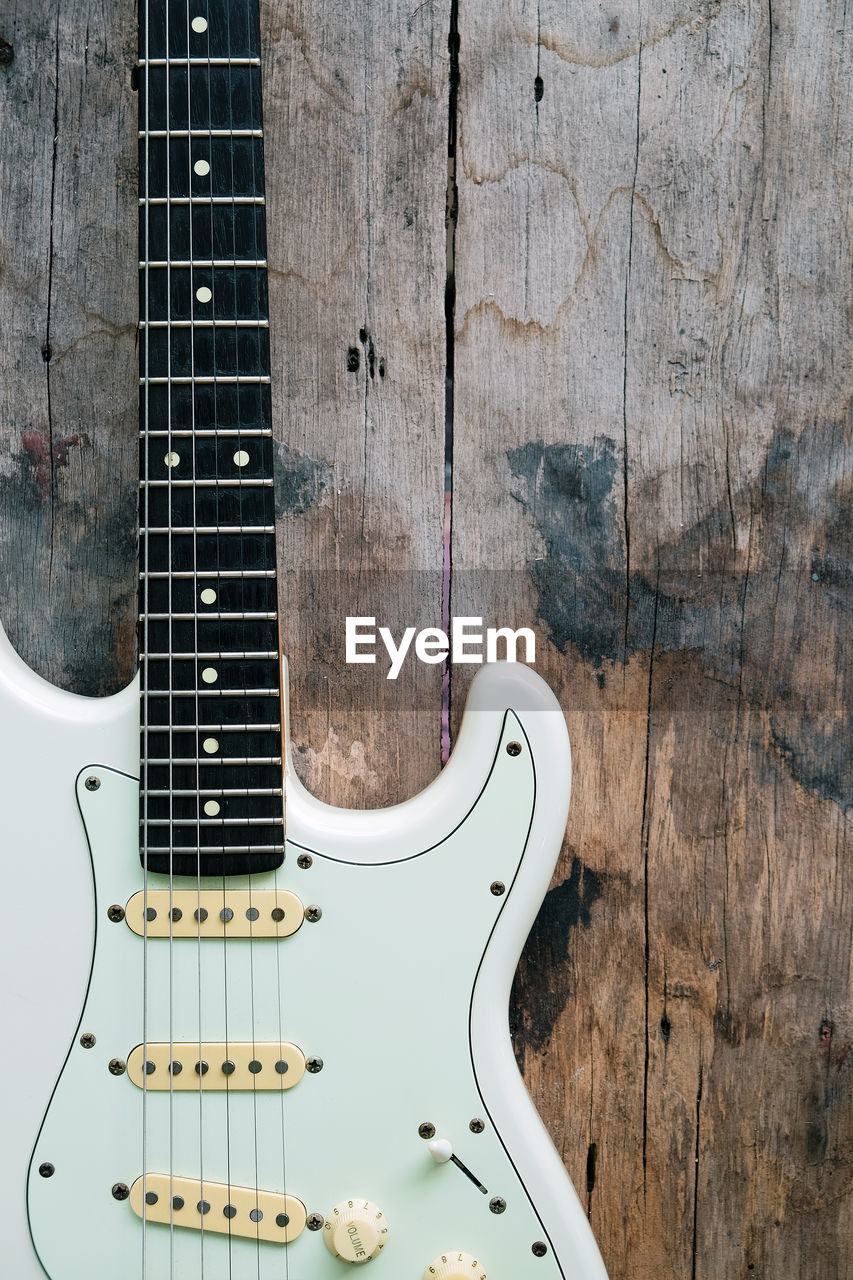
[
  {"x": 304, "y": 861},
  {"x": 540, "y": 1248},
  {"x": 314, "y": 1221},
  {"x": 117, "y": 1067},
  {"x": 426, "y": 1130},
  {"x": 313, "y": 1065},
  {"x": 87, "y": 1040},
  {"x": 47, "y": 1170},
  {"x": 498, "y": 888},
  {"x": 497, "y": 1204},
  {"x": 477, "y": 1125},
  {"x": 120, "y": 1191},
  {"x": 313, "y": 914},
  {"x": 115, "y": 913},
  {"x": 92, "y": 784},
  {"x": 513, "y": 748}
]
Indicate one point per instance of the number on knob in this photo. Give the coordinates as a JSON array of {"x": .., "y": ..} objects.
[
  {"x": 455, "y": 1266},
  {"x": 355, "y": 1231}
]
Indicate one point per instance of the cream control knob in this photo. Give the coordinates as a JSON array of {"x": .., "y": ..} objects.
[
  {"x": 355, "y": 1231},
  {"x": 455, "y": 1266}
]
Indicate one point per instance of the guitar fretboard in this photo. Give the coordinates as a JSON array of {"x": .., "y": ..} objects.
[{"x": 211, "y": 786}]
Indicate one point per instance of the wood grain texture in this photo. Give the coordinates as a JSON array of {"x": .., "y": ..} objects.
[
  {"x": 651, "y": 464},
  {"x": 652, "y": 458}
]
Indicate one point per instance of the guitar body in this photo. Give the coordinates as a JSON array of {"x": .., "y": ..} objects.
[{"x": 400, "y": 987}]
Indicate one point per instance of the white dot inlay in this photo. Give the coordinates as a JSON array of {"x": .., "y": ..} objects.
[
  {"x": 202, "y": 168},
  {"x": 210, "y": 745},
  {"x": 210, "y": 675},
  {"x": 204, "y": 294},
  {"x": 199, "y": 25},
  {"x": 172, "y": 459},
  {"x": 241, "y": 458},
  {"x": 211, "y": 808},
  {"x": 208, "y": 595}
]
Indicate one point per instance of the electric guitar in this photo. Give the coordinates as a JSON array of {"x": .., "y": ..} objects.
[{"x": 231, "y": 1051}]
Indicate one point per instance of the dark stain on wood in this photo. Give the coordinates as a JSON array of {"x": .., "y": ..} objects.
[
  {"x": 743, "y": 620},
  {"x": 542, "y": 985},
  {"x": 299, "y": 481},
  {"x": 44, "y": 456}
]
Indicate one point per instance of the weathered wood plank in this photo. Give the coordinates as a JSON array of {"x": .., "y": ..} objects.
[
  {"x": 356, "y": 119},
  {"x": 652, "y": 266},
  {"x": 68, "y": 394}
]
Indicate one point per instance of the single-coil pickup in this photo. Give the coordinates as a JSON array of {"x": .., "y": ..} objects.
[
  {"x": 215, "y": 913},
  {"x": 215, "y": 1066},
  {"x": 215, "y": 1206}
]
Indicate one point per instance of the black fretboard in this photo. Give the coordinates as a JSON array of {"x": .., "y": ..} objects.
[{"x": 211, "y": 784}]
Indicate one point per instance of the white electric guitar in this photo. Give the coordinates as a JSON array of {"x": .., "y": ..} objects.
[{"x": 231, "y": 1053}]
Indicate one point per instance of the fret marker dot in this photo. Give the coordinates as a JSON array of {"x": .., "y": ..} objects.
[
  {"x": 210, "y": 675},
  {"x": 210, "y": 745},
  {"x": 241, "y": 458},
  {"x": 208, "y": 595},
  {"x": 204, "y": 294},
  {"x": 211, "y": 808},
  {"x": 199, "y": 25},
  {"x": 202, "y": 168},
  {"x": 172, "y": 459}
]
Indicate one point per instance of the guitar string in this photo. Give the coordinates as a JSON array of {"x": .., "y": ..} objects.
[
  {"x": 144, "y": 8},
  {"x": 218, "y": 446},
  {"x": 214, "y": 401},
  {"x": 247, "y": 12},
  {"x": 195, "y": 597},
  {"x": 170, "y": 605},
  {"x": 276, "y": 953}
]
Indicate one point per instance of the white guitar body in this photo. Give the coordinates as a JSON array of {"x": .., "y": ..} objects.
[{"x": 401, "y": 988}]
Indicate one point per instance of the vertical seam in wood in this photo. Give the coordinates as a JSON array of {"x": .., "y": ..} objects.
[
  {"x": 451, "y": 205},
  {"x": 696, "y": 1172},
  {"x": 644, "y": 828},
  {"x": 46, "y": 349},
  {"x": 625, "y": 355}
]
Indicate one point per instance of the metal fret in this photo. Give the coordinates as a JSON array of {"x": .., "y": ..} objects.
[
  {"x": 207, "y": 528},
  {"x": 201, "y": 133},
  {"x": 199, "y": 62},
  {"x": 208, "y": 617},
  {"x": 202, "y": 262},
  {"x": 206, "y": 484},
  {"x": 204, "y": 324},
  {"x": 189, "y": 433},
  {"x": 211, "y": 822},
  {"x": 227, "y": 655},
  {"x": 192, "y": 574},
  {"x": 222, "y": 791},
  {"x": 212, "y": 760},
  {"x": 202, "y": 200},
  {"x": 217, "y": 848},
  {"x": 191, "y": 381}
]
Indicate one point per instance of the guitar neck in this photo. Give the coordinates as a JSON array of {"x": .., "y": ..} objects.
[{"x": 211, "y": 720}]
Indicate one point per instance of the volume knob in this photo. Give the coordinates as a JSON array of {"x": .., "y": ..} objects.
[
  {"x": 355, "y": 1231},
  {"x": 455, "y": 1266}
]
